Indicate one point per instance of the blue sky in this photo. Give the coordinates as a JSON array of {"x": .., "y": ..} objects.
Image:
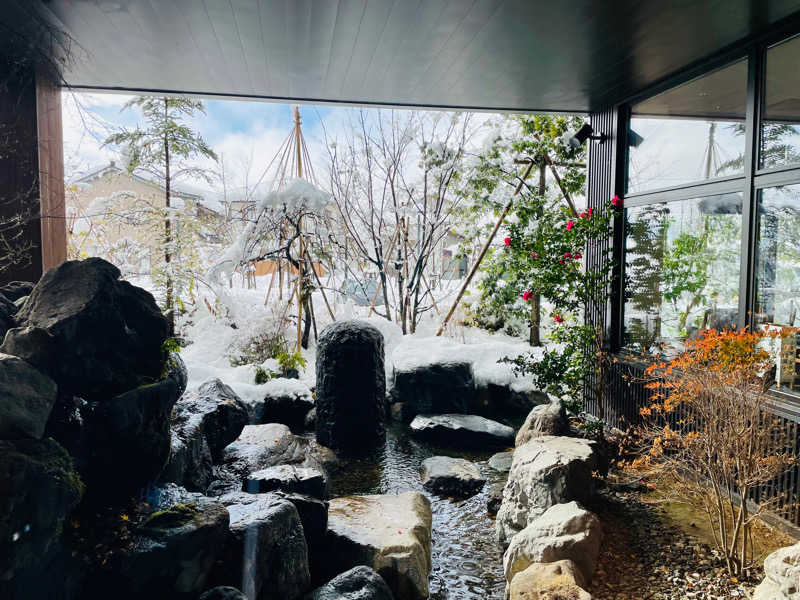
[{"x": 246, "y": 133}]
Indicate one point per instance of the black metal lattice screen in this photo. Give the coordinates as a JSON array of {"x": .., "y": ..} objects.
[{"x": 624, "y": 389}]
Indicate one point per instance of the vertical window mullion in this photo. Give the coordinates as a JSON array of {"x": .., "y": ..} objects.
[{"x": 755, "y": 76}]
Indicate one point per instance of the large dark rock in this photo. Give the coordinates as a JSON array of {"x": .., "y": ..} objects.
[
  {"x": 16, "y": 290},
  {"x": 492, "y": 399},
  {"x": 351, "y": 387},
  {"x": 7, "y": 311},
  {"x": 359, "y": 583},
  {"x": 266, "y": 554},
  {"x": 288, "y": 478},
  {"x": 107, "y": 334},
  {"x": 313, "y": 515},
  {"x": 455, "y": 477},
  {"x": 268, "y": 445},
  {"x": 286, "y": 401},
  {"x": 465, "y": 431},
  {"x": 223, "y": 592},
  {"x": 130, "y": 439},
  {"x": 35, "y": 344},
  {"x": 172, "y": 552},
  {"x": 190, "y": 463},
  {"x": 26, "y": 399},
  {"x": 217, "y": 412},
  {"x": 214, "y": 415},
  {"x": 434, "y": 388},
  {"x": 38, "y": 490},
  {"x": 176, "y": 369}
]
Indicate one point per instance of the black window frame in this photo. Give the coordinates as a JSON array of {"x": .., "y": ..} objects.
[{"x": 749, "y": 183}]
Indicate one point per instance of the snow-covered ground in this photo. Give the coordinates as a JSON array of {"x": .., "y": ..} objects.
[{"x": 212, "y": 340}]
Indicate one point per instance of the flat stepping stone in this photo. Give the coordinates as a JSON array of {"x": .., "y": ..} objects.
[
  {"x": 389, "y": 533},
  {"x": 287, "y": 478},
  {"x": 453, "y": 477},
  {"x": 462, "y": 431}
]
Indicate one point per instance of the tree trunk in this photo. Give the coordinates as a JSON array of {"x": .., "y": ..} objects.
[
  {"x": 535, "y": 335},
  {"x": 535, "y": 339},
  {"x": 169, "y": 301}
]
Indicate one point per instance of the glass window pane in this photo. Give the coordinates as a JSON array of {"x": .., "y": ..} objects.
[
  {"x": 690, "y": 133},
  {"x": 681, "y": 270},
  {"x": 778, "y": 275},
  {"x": 780, "y": 129}
]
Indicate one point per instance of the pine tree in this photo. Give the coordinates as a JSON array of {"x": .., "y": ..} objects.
[{"x": 163, "y": 149}]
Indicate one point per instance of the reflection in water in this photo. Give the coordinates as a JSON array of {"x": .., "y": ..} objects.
[{"x": 467, "y": 560}]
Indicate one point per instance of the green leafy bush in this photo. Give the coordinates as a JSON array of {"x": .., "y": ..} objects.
[
  {"x": 259, "y": 347},
  {"x": 291, "y": 362}
]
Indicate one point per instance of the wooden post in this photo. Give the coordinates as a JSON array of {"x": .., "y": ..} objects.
[
  {"x": 269, "y": 289},
  {"x": 299, "y": 285},
  {"x": 319, "y": 283},
  {"x": 51, "y": 173},
  {"x": 485, "y": 249}
]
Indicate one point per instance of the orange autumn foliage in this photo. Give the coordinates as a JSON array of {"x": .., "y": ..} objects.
[{"x": 709, "y": 428}]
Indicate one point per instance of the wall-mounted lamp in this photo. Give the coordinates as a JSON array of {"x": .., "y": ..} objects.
[
  {"x": 577, "y": 139},
  {"x": 634, "y": 139}
]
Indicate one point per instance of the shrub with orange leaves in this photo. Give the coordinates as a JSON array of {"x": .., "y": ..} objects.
[{"x": 708, "y": 426}]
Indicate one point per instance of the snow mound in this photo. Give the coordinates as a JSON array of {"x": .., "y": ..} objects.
[
  {"x": 414, "y": 352},
  {"x": 285, "y": 388}
]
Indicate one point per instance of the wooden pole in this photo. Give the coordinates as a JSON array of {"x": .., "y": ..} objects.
[
  {"x": 269, "y": 289},
  {"x": 433, "y": 298},
  {"x": 485, "y": 249},
  {"x": 299, "y": 285},
  {"x": 319, "y": 283}
]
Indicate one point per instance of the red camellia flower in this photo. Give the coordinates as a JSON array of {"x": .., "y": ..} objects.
[
  {"x": 589, "y": 212},
  {"x": 507, "y": 241},
  {"x": 616, "y": 201},
  {"x": 582, "y": 215},
  {"x": 559, "y": 319},
  {"x": 577, "y": 256},
  {"x": 567, "y": 255},
  {"x": 527, "y": 296},
  {"x": 561, "y": 262},
  {"x": 570, "y": 225},
  {"x": 534, "y": 255}
]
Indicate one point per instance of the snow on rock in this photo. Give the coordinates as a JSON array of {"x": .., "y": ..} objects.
[{"x": 483, "y": 353}]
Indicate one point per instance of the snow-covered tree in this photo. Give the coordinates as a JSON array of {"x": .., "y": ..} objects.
[{"x": 167, "y": 149}]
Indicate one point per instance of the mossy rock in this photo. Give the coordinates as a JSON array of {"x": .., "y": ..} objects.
[
  {"x": 39, "y": 488},
  {"x": 174, "y": 516}
]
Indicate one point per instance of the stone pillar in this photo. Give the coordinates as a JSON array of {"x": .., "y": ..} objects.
[{"x": 351, "y": 387}]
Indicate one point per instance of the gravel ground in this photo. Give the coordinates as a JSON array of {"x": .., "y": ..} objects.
[{"x": 644, "y": 557}]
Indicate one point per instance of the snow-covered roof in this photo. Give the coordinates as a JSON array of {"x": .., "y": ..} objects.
[{"x": 207, "y": 198}]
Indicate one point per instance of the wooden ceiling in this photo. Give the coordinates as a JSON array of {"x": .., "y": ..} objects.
[{"x": 525, "y": 55}]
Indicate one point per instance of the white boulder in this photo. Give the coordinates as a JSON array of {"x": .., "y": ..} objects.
[
  {"x": 388, "y": 533},
  {"x": 545, "y": 471},
  {"x": 564, "y": 531},
  {"x": 781, "y": 575}
]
